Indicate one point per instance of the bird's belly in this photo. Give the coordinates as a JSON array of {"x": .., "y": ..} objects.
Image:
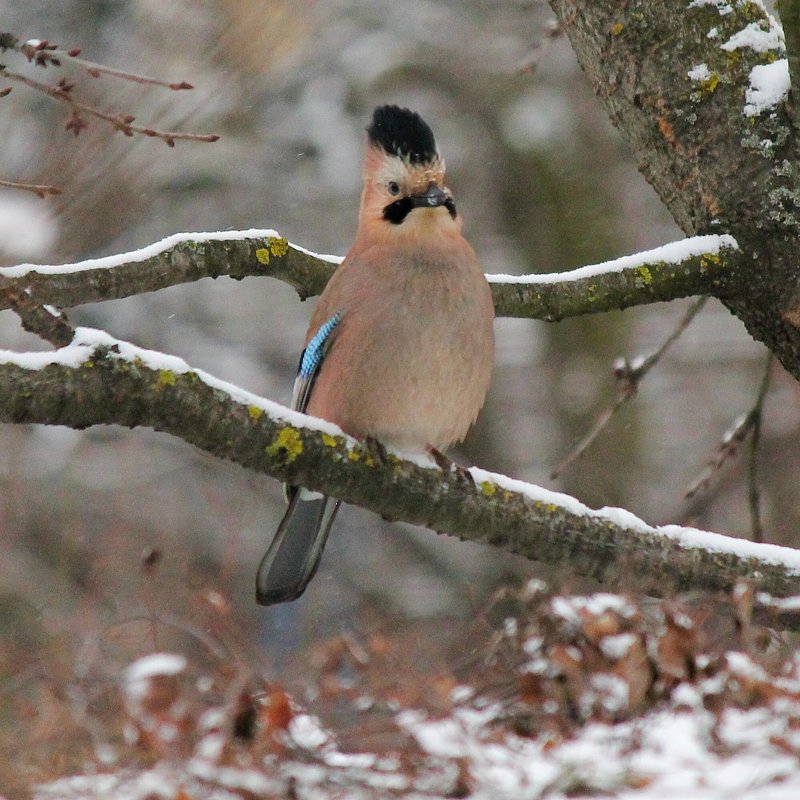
[{"x": 413, "y": 383}]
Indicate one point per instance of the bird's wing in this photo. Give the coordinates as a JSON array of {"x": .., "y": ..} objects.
[{"x": 311, "y": 361}]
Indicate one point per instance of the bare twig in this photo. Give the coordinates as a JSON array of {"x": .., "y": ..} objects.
[
  {"x": 628, "y": 375},
  {"x": 42, "y": 53},
  {"x": 727, "y": 447},
  {"x": 39, "y": 189},
  {"x": 36, "y": 317},
  {"x": 528, "y": 65},
  {"x": 120, "y": 122},
  {"x": 729, "y": 444},
  {"x": 754, "y": 494}
]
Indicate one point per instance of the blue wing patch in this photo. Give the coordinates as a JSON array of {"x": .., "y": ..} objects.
[
  {"x": 310, "y": 362},
  {"x": 312, "y": 355}
]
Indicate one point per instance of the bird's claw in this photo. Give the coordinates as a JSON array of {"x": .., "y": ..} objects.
[
  {"x": 376, "y": 450},
  {"x": 448, "y": 465}
]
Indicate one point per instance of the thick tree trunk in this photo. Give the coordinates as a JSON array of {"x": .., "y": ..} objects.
[{"x": 717, "y": 169}]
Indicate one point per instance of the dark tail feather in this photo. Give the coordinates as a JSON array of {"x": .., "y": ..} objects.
[{"x": 295, "y": 552}]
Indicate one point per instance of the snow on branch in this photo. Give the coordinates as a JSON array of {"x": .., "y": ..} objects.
[
  {"x": 100, "y": 380},
  {"x": 699, "y": 265}
]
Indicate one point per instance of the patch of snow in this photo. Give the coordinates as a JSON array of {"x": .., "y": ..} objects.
[
  {"x": 613, "y": 692},
  {"x": 535, "y": 586},
  {"x": 741, "y": 664},
  {"x": 723, "y": 7},
  {"x": 249, "y": 781},
  {"x": 685, "y": 694},
  {"x": 532, "y": 646},
  {"x": 663, "y": 755},
  {"x": 307, "y": 732},
  {"x": 672, "y": 253},
  {"x": 210, "y": 748},
  {"x": 769, "y": 86},
  {"x": 780, "y": 603},
  {"x": 154, "y": 665},
  {"x": 756, "y": 38},
  {"x": 339, "y": 759},
  {"x": 701, "y": 72},
  {"x": 616, "y": 647},
  {"x": 461, "y": 693},
  {"x": 569, "y": 608}
]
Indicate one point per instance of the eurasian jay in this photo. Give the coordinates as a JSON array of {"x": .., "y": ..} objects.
[{"x": 400, "y": 347}]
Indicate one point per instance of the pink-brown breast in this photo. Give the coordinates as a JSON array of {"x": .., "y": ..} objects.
[{"x": 412, "y": 358}]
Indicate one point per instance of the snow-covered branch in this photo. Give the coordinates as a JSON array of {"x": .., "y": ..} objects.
[
  {"x": 700, "y": 265},
  {"x": 100, "y": 380}
]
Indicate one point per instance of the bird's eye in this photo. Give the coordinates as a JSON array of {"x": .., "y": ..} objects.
[{"x": 394, "y": 187}]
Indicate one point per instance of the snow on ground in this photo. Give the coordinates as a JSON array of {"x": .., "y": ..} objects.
[
  {"x": 675, "y": 753},
  {"x": 687, "y": 722}
]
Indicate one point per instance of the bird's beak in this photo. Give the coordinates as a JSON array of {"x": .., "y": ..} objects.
[{"x": 431, "y": 198}]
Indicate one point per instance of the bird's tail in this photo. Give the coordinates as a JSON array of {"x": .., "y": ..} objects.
[{"x": 293, "y": 557}]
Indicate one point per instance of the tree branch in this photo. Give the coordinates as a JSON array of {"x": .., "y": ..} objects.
[
  {"x": 41, "y": 190},
  {"x": 703, "y": 265},
  {"x": 100, "y": 380},
  {"x": 119, "y": 122}
]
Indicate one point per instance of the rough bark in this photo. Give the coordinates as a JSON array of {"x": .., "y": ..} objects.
[
  {"x": 273, "y": 256},
  {"x": 107, "y": 388},
  {"x": 715, "y": 168}
]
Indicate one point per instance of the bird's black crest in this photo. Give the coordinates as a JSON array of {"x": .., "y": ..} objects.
[{"x": 403, "y": 133}]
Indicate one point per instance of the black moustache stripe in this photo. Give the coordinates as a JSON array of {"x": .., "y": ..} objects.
[{"x": 397, "y": 211}]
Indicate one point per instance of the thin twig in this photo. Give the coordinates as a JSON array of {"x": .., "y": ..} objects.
[
  {"x": 742, "y": 427},
  {"x": 119, "y": 122},
  {"x": 42, "y": 319},
  {"x": 727, "y": 447},
  {"x": 628, "y": 375},
  {"x": 41, "y": 52},
  {"x": 754, "y": 494},
  {"x": 39, "y": 189},
  {"x": 529, "y": 64}
]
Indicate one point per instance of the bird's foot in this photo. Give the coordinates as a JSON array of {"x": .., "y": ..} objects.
[
  {"x": 376, "y": 450},
  {"x": 448, "y": 465}
]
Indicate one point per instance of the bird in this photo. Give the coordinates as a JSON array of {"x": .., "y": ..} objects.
[{"x": 400, "y": 347}]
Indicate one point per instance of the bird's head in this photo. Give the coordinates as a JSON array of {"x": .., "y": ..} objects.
[{"x": 404, "y": 174}]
